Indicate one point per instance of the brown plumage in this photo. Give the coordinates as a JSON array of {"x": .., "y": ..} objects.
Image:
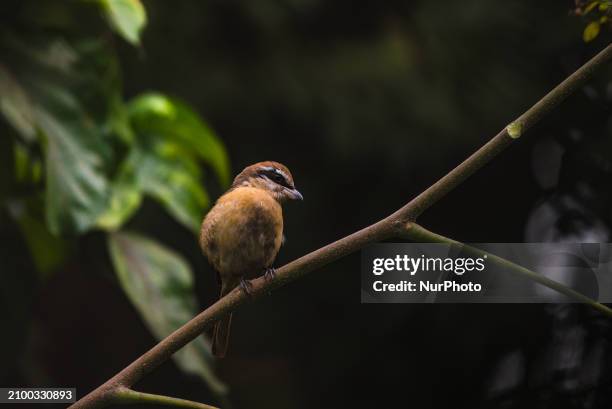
[{"x": 242, "y": 233}]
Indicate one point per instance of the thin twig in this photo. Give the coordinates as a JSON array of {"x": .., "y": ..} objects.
[
  {"x": 129, "y": 396},
  {"x": 418, "y": 233},
  {"x": 389, "y": 227}
]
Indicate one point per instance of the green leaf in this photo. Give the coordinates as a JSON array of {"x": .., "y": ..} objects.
[
  {"x": 591, "y": 6},
  {"x": 591, "y": 31},
  {"x": 126, "y": 194},
  {"x": 47, "y": 250},
  {"x": 125, "y": 199},
  {"x": 170, "y": 138},
  {"x": 27, "y": 169},
  {"x": 118, "y": 120},
  {"x": 76, "y": 187},
  {"x": 157, "y": 114},
  {"x": 176, "y": 184},
  {"x": 160, "y": 285},
  {"x": 127, "y": 17},
  {"x": 164, "y": 171},
  {"x": 21, "y": 162},
  {"x": 16, "y": 106},
  {"x": 77, "y": 155}
]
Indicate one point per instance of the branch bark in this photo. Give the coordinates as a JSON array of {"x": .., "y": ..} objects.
[
  {"x": 129, "y": 396},
  {"x": 418, "y": 233},
  {"x": 392, "y": 226}
]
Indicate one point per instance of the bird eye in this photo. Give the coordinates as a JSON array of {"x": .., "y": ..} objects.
[{"x": 277, "y": 178}]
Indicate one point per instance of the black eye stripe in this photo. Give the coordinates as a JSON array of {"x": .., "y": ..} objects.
[{"x": 276, "y": 177}]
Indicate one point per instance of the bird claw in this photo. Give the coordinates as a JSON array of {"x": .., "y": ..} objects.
[
  {"x": 246, "y": 286},
  {"x": 270, "y": 273}
]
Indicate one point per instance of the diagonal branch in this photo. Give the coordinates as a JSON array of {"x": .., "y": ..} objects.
[
  {"x": 418, "y": 233},
  {"x": 389, "y": 227},
  {"x": 505, "y": 137},
  {"x": 129, "y": 396}
]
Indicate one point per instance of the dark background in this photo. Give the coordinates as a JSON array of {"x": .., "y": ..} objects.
[{"x": 367, "y": 103}]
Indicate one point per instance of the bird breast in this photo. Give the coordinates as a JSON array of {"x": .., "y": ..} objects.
[{"x": 242, "y": 233}]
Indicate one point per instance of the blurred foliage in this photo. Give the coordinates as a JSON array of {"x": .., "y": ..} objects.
[
  {"x": 598, "y": 13},
  {"x": 160, "y": 285},
  {"x": 127, "y": 17},
  {"x": 82, "y": 158}
]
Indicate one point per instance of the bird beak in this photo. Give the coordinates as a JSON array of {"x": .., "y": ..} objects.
[{"x": 295, "y": 195}]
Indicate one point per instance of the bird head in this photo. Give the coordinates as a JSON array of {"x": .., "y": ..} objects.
[{"x": 273, "y": 177}]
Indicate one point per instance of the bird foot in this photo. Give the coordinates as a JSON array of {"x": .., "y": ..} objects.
[
  {"x": 246, "y": 286},
  {"x": 270, "y": 273}
]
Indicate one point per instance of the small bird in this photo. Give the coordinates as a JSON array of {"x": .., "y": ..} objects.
[{"x": 242, "y": 233}]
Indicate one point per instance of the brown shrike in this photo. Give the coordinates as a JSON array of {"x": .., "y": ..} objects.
[{"x": 242, "y": 233}]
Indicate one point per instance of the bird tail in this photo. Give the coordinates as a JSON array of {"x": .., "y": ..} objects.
[{"x": 221, "y": 331}]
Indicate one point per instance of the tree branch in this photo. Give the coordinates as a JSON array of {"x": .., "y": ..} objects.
[
  {"x": 418, "y": 233},
  {"x": 393, "y": 225},
  {"x": 129, "y": 396},
  {"x": 505, "y": 137}
]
